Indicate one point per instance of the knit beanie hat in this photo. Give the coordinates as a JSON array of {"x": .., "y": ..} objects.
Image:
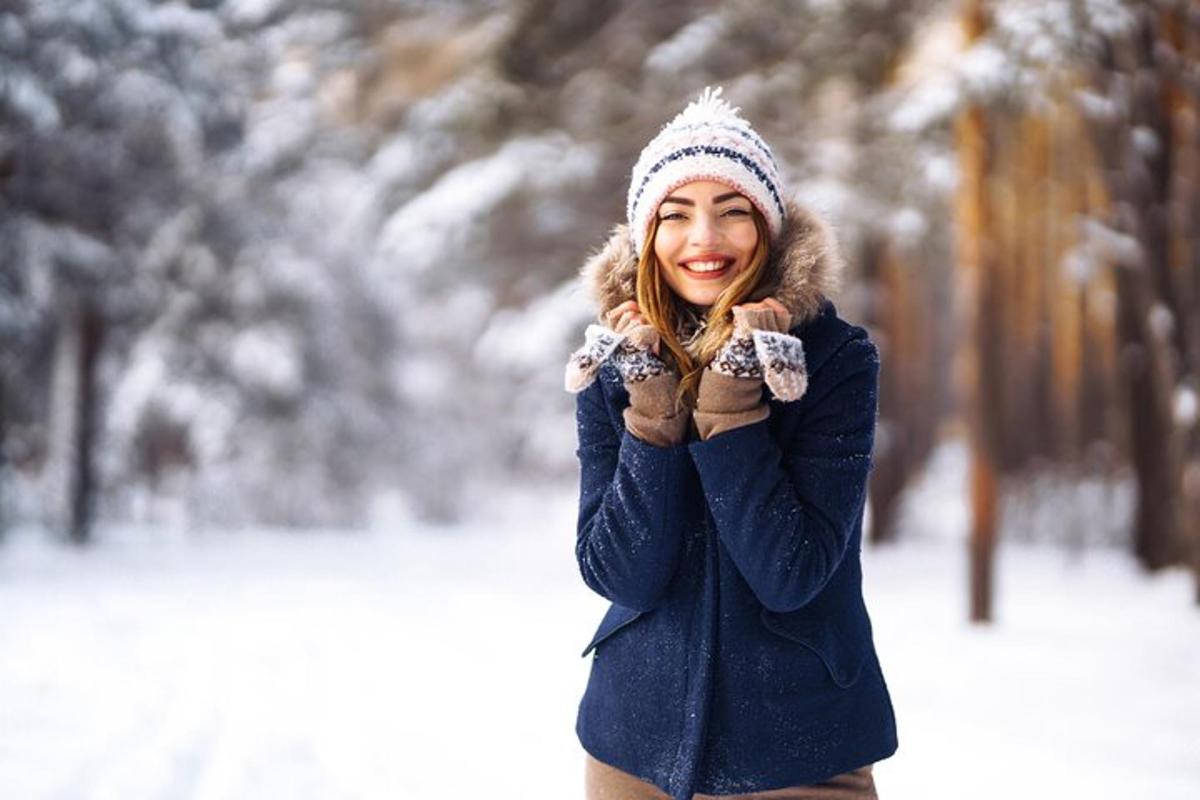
[{"x": 708, "y": 140}]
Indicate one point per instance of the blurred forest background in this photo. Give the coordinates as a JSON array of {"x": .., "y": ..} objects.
[{"x": 264, "y": 261}]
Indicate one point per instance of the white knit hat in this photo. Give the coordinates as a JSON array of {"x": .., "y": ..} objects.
[{"x": 708, "y": 140}]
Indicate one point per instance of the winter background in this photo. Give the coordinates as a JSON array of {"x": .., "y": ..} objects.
[{"x": 287, "y": 473}]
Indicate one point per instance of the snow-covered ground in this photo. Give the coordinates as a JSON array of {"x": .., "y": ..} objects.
[{"x": 423, "y": 664}]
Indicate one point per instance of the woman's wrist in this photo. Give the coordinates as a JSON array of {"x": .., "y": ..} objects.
[
  {"x": 725, "y": 402},
  {"x": 653, "y": 414}
]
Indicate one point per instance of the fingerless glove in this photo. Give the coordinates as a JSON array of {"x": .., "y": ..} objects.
[
  {"x": 651, "y": 415},
  {"x": 759, "y": 351}
]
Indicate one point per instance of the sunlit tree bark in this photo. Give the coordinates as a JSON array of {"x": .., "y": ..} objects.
[{"x": 980, "y": 346}]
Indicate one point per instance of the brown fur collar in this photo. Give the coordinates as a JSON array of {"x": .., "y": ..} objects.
[{"x": 804, "y": 267}]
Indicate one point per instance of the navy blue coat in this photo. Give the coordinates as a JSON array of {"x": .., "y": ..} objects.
[{"x": 737, "y": 655}]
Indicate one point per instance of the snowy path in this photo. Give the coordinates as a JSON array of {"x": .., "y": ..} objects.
[{"x": 429, "y": 665}]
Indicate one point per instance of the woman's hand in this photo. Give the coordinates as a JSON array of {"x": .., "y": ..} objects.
[
  {"x": 653, "y": 414},
  {"x": 767, "y": 315},
  {"x": 761, "y": 347},
  {"x": 627, "y": 339},
  {"x": 627, "y": 319}
]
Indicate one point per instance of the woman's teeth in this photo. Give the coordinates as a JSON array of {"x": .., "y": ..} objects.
[{"x": 706, "y": 266}]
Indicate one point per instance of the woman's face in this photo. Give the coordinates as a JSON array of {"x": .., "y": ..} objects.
[{"x": 706, "y": 236}]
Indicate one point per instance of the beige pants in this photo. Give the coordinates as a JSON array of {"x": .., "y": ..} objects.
[{"x": 609, "y": 783}]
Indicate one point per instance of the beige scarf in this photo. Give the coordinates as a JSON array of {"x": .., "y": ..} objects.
[{"x": 692, "y": 323}]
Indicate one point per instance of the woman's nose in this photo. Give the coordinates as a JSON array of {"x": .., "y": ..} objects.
[{"x": 704, "y": 230}]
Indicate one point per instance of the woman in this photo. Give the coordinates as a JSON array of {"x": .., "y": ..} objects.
[{"x": 726, "y": 418}]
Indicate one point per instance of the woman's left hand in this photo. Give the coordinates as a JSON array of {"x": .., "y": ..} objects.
[
  {"x": 768, "y": 314},
  {"x": 761, "y": 346}
]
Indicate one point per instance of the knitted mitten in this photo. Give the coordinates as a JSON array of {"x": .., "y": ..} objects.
[
  {"x": 759, "y": 351},
  {"x": 631, "y": 354},
  {"x": 651, "y": 415},
  {"x": 760, "y": 347}
]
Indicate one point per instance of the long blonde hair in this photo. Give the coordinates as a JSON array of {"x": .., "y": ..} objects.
[{"x": 663, "y": 309}]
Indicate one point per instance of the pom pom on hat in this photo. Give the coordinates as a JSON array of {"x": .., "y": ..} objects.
[{"x": 708, "y": 140}]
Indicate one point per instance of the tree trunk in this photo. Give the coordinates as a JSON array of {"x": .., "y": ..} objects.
[
  {"x": 1184, "y": 32},
  {"x": 71, "y": 480},
  {"x": 981, "y": 347},
  {"x": 1133, "y": 148},
  {"x": 3, "y": 449}
]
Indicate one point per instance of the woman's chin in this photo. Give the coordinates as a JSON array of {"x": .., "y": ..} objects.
[
  {"x": 700, "y": 291},
  {"x": 700, "y": 295}
]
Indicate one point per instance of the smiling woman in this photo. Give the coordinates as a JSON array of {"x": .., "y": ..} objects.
[{"x": 726, "y": 420}]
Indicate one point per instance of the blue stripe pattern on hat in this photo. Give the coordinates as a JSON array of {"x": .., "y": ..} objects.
[
  {"x": 745, "y": 133},
  {"x": 715, "y": 150}
]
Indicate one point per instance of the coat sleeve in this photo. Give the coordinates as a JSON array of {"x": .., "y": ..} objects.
[
  {"x": 786, "y": 510},
  {"x": 630, "y": 529}
]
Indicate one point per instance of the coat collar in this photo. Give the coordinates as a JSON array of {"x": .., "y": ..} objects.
[{"x": 804, "y": 267}]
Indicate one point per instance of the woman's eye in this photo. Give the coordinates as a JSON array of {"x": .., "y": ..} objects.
[
  {"x": 739, "y": 211},
  {"x": 671, "y": 215}
]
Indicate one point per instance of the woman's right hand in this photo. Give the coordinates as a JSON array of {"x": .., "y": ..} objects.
[{"x": 625, "y": 338}]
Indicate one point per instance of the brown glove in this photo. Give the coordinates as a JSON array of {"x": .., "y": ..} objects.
[
  {"x": 731, "y": 388},
  {"x": 651, "y": 415}
]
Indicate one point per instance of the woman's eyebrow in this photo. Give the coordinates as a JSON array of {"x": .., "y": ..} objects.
[{"x": 721, "y": 198}]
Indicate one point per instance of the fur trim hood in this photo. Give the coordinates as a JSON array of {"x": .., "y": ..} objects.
[{"x": 804, "y": 267}]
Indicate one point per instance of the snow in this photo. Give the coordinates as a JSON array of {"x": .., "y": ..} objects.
[
  {"x": 418, "y": 234},
  {"x": 1145, "y": 141},
  {"x": 179, "y": 20},
  {"x": 908, "y": 225},
  {"x": 1025, "y": 53},
  {"x": 1110, "y": 243},
  {"x": 267, "y": 356},
  {"x": 12, "y": 35},
  {"x": 74, "y": 67},
  {"x": 410, "y": 661},
  {"x": 1040, "y": 31},
  {"x": 250, "y": 12},
  {"x": 277, "y": 129},
  {"x": 926, "y": 105},
  {"x": 927, "y": 88},
  {"x": 528, "y": 339},
  {"x": 470, "y": 102},
  {"x": 1078, "y": 264},
  {"x": 1096, "y": 106},
  {"x": 1112, "y": 18},
  {"x": 425, "y": 378},
  {"x": 29, "y": 99},
  {"x": 48, "y": 248},
  {"x": 1187, "y": 407},
  {"x": 395, "y": 160},
  {"x": 1160, "y": 320},
  {"x": 148, "y": 389},
  {"x": 939, "y": 170},
  {"x": 985, "y": 69},
  {"x": 689, "y": 48}
]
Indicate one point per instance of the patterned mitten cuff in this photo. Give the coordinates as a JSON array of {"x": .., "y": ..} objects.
[
  {"x": 760, "y": 348},
  {"x": 631, "y": 354}
]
